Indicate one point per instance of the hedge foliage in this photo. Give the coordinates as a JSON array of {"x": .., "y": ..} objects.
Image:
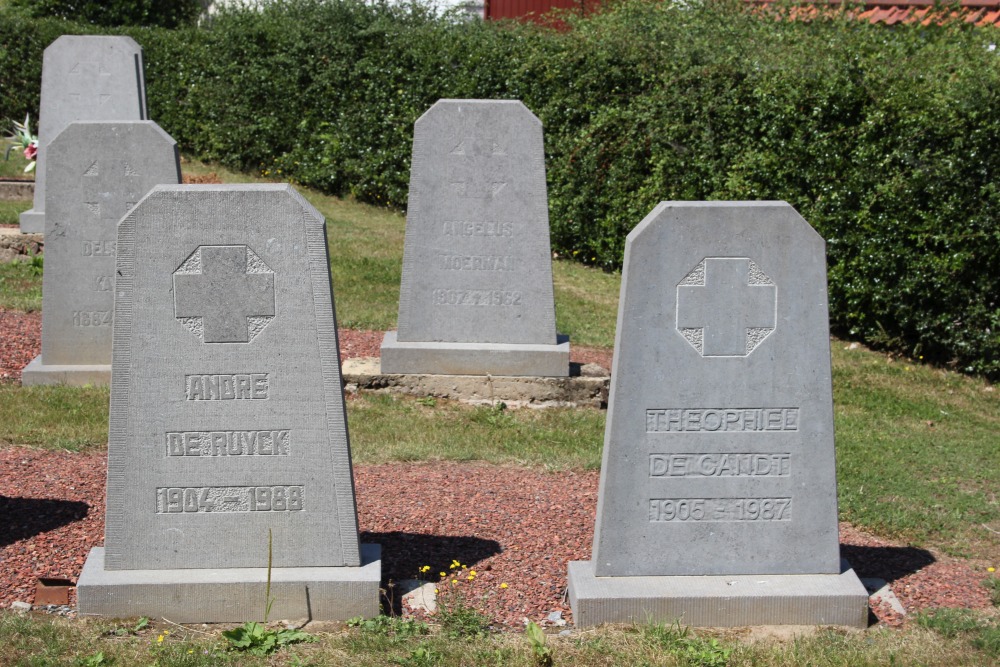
[{"x": 886, "y": 140}]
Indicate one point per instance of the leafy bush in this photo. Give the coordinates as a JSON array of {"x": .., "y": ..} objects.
[
  {"x": 164, "y": 13},
  {"x": 884, "y": 139}
]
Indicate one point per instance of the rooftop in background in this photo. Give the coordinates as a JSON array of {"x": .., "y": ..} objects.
[{"x": 924, "y": 12}]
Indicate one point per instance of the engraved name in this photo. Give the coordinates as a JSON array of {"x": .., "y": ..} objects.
[
  {"x": 99, "y": 248},
  {"x": 198, "y": 499},
  {"x": 720, "y": 465},
  {"x": 462, "y": 228},
  {"x": 475, "y": 297},
  {"x": 721, "y": 419},
  {"x": 226, "y": 387},
  {"x": 694, "y": 510},
  {"x": 229, "y": 443},
  {"x": 477, "y": 262}
]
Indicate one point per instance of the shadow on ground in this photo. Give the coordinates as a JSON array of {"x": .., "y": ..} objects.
[
  {"x": 889, "y": 563},
  {"x": 403, "y": 554},
  {"x": 21, "y": 518}
]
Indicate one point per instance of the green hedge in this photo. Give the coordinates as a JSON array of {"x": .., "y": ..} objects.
[{"x": 884, "y": 139}]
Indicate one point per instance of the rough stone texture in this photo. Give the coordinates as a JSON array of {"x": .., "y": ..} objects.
[
  {"x": 230, "y": 595},
  {"x": 227, "y": 417},
  {"x": 98, "y": 170},
  {"x": 84, "y": 77},
  {"x": 718, "y": 601},
  {"x": 16, "y": 190},
  {"x": 15, "y": 245},
  {"x": 588, "y": 387},
  {"x": 719, "y": 452},
  {"x": 477, "y": 267}
]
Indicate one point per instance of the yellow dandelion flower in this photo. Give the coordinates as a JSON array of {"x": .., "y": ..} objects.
[
  {"x": 436, "y": 590},
  {"x": 470, "y": 577},
  {"x": 472, "y": 572},
  {"x": 503, "y": 585},
  {"x": 166, "y": 632},
  {"x": 454, "y": 582},
  {"x": 159, "y": 640},
  {"x": 991, "y": 569},
  {"x": 425, "y": 568},
  {"x": 443, "y": 574}
]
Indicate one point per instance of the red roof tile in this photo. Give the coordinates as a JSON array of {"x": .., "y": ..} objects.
[{"x": 892, "y": 12}]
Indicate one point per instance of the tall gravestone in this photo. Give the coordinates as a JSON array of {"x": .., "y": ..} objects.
[
  {"x": 227, "y": 429},
  {"x": 98, "y": 171},
  {"x": 476, "y": 294},
  {"x": 84, "y": 77},
  {"x": 718, "y": 492}
]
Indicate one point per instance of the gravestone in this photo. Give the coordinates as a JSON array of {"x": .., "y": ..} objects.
[
  {"x": 227, "y": 429},
  {"x": 99, "y": 170},
  {"x": 84, "y": 77},
  {"x": 718, "y": 492},
  {"x": 476, "y": 293}
]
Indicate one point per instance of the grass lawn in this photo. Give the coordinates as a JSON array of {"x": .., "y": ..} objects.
[{"x": 918, "y": 461}]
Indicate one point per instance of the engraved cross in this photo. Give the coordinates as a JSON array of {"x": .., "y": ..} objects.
[
  {"x": 89, "y": 92},
  {"x": 726, "y": 306},
  {"x": 224, "y": 295}
]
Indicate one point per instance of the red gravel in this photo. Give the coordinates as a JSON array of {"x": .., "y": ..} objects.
[{"x": 511, "y": 525}]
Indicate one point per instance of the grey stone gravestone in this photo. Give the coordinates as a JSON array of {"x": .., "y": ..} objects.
[
  {"x": 84, "y": 77},
  {"x": 476, "y": 294},
  {"x": 98, "y": 171},
  {"x": 228, "y": 428},
  {"x": 718, "y": 493}
]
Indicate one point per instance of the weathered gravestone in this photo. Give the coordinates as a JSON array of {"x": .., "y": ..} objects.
[
  {"x": 98, "y": 171},
  {"x": 476, "y": 293},
  {"x": 718, "y": 494},
  {"x": 227, "y": 429},
  {"x": 84, "y": 77}
]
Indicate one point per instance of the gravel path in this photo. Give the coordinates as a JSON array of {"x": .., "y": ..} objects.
[{"x": 512, "y": 526}]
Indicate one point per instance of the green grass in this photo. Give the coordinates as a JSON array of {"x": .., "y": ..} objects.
[
  {"x": 21, "y": 285},
  {"x": 10, "y": 210},
  {"x": 56, "y": 417},
  {"x": 13, "y": 166},
  {"x": 26, "y": 640}
]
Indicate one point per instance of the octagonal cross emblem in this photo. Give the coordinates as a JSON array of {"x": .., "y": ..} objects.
[
  {"x": 224, "y": 294},
  {"x": 726, "y": 307}
]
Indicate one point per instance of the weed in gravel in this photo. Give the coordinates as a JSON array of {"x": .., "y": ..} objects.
[
  {"x": 458, "y": 618},
  {"x": 992, "y": 584},
  {"x": 541, "y": 651},
  {"x": 390, "y": 626}
]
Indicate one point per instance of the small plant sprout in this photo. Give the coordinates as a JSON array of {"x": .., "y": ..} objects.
[{"x": 541, "y": 651}]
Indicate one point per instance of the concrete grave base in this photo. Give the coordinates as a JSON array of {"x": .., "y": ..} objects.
[
  {"x": 475, "y": 358},
  {"x": 232, "y": 595},
  {"x": 718, "y": 601},
  {"x": 32, "y": 222},
  {"x": 39, "y": 373}
]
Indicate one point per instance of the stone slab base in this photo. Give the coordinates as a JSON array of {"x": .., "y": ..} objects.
[
  {"x": 587, "y": 385},
  {"x": 32, "y": 222},
  {"x": 718, "y": 601},
  {"x": 16, "y": 190},
  {"x": 38, "y": 373},
  {"x": 232, "y": 595},
  {"x": 475, "y": 358}
]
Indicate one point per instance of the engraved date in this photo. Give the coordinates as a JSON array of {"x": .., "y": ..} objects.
[
  {"x": 91, "y": 318},
  {"x": 664, "y": 510},
  {"x": 192, "y": 500},
  {"x": 475, "y": 297}
]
